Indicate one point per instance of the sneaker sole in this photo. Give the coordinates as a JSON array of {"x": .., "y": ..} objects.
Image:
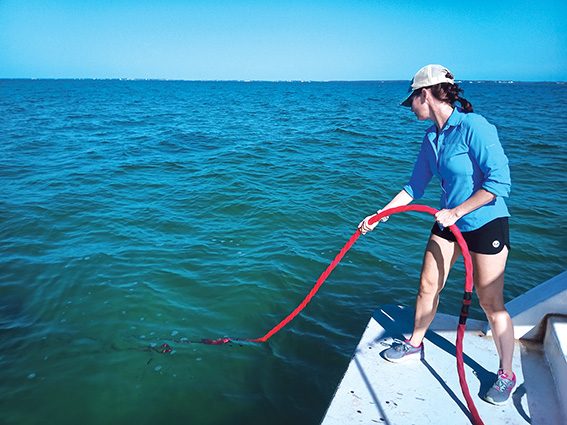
[
  {"x": 409, "y": 357},
  {"x": 496, "y": 403}
]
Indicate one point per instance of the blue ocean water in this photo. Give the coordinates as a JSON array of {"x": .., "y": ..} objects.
[{"x": 136, "y": 213}]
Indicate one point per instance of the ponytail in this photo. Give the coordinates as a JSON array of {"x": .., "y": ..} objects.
[
  {"x": 450, "y": 93},
  {"x": 465, "y": 104}
]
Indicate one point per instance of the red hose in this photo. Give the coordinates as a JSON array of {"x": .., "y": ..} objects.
[{"x": 476, "y": 420}]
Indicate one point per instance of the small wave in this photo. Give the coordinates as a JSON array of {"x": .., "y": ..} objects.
[
  {"x": 129, "y": 166},
  {"x": 354, "y": 133}
]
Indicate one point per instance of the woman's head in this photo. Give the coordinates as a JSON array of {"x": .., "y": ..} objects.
[{"x": 439, "y": 81}]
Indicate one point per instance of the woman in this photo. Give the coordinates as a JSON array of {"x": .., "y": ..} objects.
[{"x": 463, "y": 150}]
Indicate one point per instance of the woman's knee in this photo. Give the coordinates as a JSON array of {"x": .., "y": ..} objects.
[
  {"x": 492, "y": 305},
  {"x": 429, "y": 285}
]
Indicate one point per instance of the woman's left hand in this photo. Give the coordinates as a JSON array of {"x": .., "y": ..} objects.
[{"x": 446, "y": 217}]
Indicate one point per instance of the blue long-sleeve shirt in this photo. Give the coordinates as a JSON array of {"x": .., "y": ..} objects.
[{"x": 466, "y": 155}]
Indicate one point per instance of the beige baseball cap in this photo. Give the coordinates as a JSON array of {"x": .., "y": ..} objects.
[{"x": 428, "y": 76}]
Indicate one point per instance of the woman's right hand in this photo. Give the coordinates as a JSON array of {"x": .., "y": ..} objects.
[{"x": 364, "y": 227}]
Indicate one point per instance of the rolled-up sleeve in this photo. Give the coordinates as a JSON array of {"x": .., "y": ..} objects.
[
  {"x": 488, "y": 152},
  {"x": 421, "y": 175}
]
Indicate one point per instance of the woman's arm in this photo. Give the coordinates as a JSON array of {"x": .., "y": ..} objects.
[
  {"x": 402, "y": 198},
  {"x": 420, "y": 178},
  {"x": 448, "y": 217}
]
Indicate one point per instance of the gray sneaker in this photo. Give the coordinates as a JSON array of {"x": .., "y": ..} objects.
[
  {"x": 500, "y": 392},
  {"x": 400, "y": 351}
]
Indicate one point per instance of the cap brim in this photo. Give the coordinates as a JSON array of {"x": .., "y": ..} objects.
[{"x": 408, "y": 101}]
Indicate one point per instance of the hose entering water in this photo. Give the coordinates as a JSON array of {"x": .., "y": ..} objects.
[{"x": 476, "y": 420}]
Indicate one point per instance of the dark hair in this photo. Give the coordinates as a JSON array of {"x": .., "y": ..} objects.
[{"x": 450, "y": 93}]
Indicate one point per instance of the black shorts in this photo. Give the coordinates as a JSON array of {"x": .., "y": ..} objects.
[{"x": 488, "y": 239}]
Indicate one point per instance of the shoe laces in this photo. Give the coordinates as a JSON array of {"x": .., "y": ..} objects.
[
  {"x": 503, "y": 383},
  {"x": 400, "y": 345}
]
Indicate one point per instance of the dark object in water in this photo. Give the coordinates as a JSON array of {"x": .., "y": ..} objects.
[
  {"x": 218, "y": 341},
  {"x": 165, "y": 348}
]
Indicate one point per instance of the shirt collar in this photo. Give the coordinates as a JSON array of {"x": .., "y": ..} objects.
[{"x": 454, "y": 119}]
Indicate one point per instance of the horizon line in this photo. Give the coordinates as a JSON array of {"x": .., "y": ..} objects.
[{"x": 500, "y": 80}]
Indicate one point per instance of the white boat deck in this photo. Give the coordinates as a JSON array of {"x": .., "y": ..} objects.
[{"x": 375, "y": 391}]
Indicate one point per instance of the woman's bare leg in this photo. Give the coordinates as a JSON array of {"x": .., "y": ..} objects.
[
  {"x": 489, "y": 284},
  {"x": 440, "y": 255}
]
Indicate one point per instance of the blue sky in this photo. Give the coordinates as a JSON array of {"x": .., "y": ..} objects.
[{"x": 282, "y": 40}]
